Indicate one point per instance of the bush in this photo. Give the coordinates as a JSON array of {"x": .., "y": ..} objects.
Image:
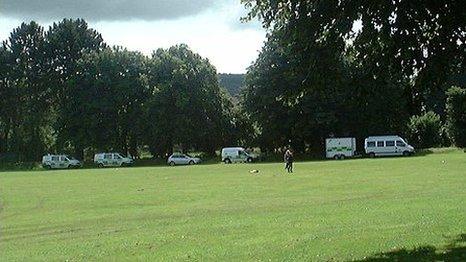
[
  {"x": 456, "y": 115},
  {"x": 424, "y": 130}
]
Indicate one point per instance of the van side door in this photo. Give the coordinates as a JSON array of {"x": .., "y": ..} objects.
[
  {"x": 55, "y": 162},
  {"x": 380, "y": 148},
  {"x": 390, "y": 146},
  {"x": 116, "y": 160},
  {"x": 107, "y": 161},
  {"x": 63, "y": 162}
]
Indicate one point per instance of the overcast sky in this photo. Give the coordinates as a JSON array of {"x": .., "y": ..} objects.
[{"x": 210, "y": 27}]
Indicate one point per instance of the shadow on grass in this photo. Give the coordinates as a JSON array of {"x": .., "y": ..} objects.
[{"x": 455, "y": 251}]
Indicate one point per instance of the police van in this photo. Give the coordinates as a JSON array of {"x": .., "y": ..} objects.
[
  {"x": 60, "y": 162},
  {"x": 112, "y": 160}
]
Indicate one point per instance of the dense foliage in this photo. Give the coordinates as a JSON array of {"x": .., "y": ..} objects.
[
  {"x": 351, "y": 67},
  {"x": 456, "y": 115},
  {"x": 424, "y": 131},
  {"x": 64, "y": 90}
]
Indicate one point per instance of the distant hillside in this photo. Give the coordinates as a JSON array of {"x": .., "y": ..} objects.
[{"x": 232, "y": 82}]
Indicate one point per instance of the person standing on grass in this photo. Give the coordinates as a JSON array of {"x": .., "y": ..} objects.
[
  {"x": 290, "y": 161},
  {"x": 285, "y": 159},
  {"x": 288, "y": 158}
]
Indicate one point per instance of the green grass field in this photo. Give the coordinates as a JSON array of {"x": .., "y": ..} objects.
[{"x": 410, "y": 209}]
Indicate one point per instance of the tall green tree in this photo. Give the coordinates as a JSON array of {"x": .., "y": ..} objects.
[
  {"x": 29, "y": 95},
  {"x": 6, "y": 102},
  {"x": 109, "y": 91},
  {"x": 456, "y": 115},
  {"x": 67, "y": 42},
  {"x": 188, "y": 108},
  {"x": 345, "y": 79}
]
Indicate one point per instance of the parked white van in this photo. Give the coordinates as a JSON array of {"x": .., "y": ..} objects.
[
  {"x": 112, "y": 159},
  {"x": 387, "y": 146},
  {"x": 340, "y": 148},
  {"x": 60, "y": 161},
  {"x": 236, "y": 154}
]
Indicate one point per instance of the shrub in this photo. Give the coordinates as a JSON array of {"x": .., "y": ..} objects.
[
  {"x": 456, "y": 115},
  {"x": 424, "y": 130}
]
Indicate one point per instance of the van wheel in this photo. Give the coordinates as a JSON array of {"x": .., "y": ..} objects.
[
  {"x": 336, "y": 157},
  {"x": 47, "y": 167},
  {"x": 172, "y": 163},
  {"x": 342, "y": 157},
  {"x": 191, "y": 162},
  {"x": 100, "y": 165},
  {"x": 227, "y": 161},
  {"x": 249, "y": 160},
  {"x": 371, "y": 154},
  {"x": 406, "y": 153}
]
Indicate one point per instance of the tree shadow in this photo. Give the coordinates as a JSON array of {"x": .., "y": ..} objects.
[{"x": 455, "y": 251}]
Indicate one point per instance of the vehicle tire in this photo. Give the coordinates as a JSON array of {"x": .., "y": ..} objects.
[
  {"x": 372, "y": 155},
  {"x": 406, "y": 153},
  {"x": 172, "y": 163},
  {"x": 100, "y": 165},
  {"x": 342, "y": 157},
  {"x": 227, "y": 161},
  {"x": 249, "y": 160},
  {"x": 336, "y": 157},
  {"x": 47, "y": 167},
  {"x": 191, "y": 162}
]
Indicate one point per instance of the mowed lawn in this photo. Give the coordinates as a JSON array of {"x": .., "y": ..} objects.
[{"x": 366, "y": 209}]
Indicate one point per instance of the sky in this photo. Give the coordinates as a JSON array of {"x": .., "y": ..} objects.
[{"x": 211, "y": 28}]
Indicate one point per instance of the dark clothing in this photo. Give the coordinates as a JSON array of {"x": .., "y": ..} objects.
[{"x": 289, "y": 162}]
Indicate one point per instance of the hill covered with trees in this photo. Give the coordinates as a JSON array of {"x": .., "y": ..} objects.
[{"x": 232, "y": 82}]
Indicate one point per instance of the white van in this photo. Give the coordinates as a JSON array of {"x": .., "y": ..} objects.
[
  {"x": 340, "y": 148},
  {"x": 60, "y": 161},
  {"x": 235, "y": 155},
  {"x": 112, "y": 159},
  {"x": 387, "y": 146}
]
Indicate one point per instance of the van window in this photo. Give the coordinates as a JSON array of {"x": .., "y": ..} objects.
[
  {"x": 62, "y": 158},
  {"x": 380, "y": 144},
  {"x": 371, "y": 144},
  {"x": 108, "y": 156},
  {"x": 400, "y": 143},
  {"x": 390, "y": 143},
  {"x": 55, "y": 158}
]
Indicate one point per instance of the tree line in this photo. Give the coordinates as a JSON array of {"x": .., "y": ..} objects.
[
  {"x": 327, "y": 68},
  {"x": 358, "y": 68},
  {"x": 65, "y": 90}
]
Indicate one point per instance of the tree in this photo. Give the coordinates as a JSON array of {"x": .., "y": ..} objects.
[
  {"x": 425, "y": 130},
  {"x": 188, "y": 107},
  {"x": 423, "y": 41},
  {"x": 6, "y": 101},
  {"x": 67, "y": 42},
  {"x": 109, "y": 92},
  {"x": 456, "y": 115},
  {"x": 28, "y": 94},
  {"x": 344, "y": 79}
]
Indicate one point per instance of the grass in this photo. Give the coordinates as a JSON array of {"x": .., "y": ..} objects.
[{"x": 403, "y": 209}]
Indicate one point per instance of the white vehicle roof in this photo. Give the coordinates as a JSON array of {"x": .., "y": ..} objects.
[
  {"x": 383, "y": 137},
  {"x": 233, "y": 148}
]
